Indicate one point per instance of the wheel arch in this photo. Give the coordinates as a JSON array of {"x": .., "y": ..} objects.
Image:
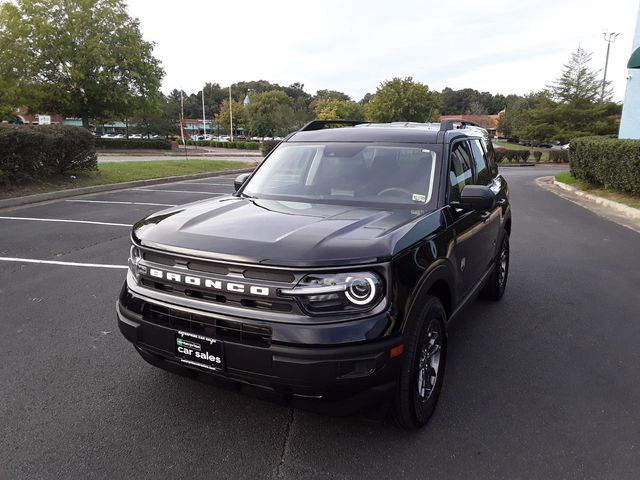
[{"x": 439, "y": 283}]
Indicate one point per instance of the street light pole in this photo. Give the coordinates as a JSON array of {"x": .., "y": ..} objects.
[{"x": 609, "y": 38}]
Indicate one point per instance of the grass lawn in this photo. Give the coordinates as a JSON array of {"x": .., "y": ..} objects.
[
  {"x": 624, "y": 198},
  {"x": 122, "y": 172}
]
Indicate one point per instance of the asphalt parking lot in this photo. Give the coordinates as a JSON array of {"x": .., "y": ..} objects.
[{"x": 543, "y": 384}]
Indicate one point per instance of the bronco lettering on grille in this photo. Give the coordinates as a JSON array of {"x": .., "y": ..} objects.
[{"x": 208, "y": 283}]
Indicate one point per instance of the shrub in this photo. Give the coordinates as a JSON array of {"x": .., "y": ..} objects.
[
  {"x": 608, "y": 162},
  {"x": 29, "y": 153},
  {"x": 268, "y": 145},
  {"x": 524, "y": 155},
  {"x": 69, "y": 148},
  {"x": 21, "y": 153},
  {"x": 135, "y": 143},
  {"x": 500, "y": 154},
  {"x": 558, "y": 156},
  {"x": 537, "y": 155}
]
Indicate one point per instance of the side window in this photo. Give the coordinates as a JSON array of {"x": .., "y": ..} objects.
[
  {"x": 490, "y": 155},
  {"x": 483, "y": 176},
  {"x": 461, "y": 172}
]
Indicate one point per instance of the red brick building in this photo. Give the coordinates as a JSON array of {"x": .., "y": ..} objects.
[{"x": 488, "y": 122}]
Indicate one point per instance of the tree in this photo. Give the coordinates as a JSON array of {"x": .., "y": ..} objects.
[
  {"x": 330, "y": 95},
  {"x": 81, "y": 58},
  {"x": 158, "y": 117},
  {"x": 570, "y": 107},
  {"x": 402, "y": 100},
  {"x": 338, "y": 110},
  {"x": 578, "y": 84},
  {"x": 270, "y": 114},
  {"x": 239, "y": 115},
  {"x": 471, "y": 102},
  {"x": 516, "y": 111},
  {"x": 550, "y": 120}
]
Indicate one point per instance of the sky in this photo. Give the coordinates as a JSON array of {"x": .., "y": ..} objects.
[{"x": 515, "y": 46}]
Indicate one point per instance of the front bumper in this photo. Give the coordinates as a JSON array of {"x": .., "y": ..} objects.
[{"x": 337, "y": 379}]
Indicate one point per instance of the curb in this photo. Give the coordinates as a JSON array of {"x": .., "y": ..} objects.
[
  {"x": 629, "y": 212},
  {"x": 45, "y": 197}
]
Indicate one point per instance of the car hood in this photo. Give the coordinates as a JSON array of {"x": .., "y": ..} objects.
[{"x": 285, "y": 233}]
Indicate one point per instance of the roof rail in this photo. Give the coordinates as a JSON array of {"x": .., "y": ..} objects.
[
  {"x": 320, "y": 124},
  {"x": 448, "y": 124}
]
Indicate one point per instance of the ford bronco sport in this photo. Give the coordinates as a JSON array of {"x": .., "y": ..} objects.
[{"x": 331, "y": 275}]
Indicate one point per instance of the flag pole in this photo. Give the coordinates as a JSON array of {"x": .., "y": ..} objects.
[
  {"x": 184, "y": 143},
  {"x": 204, "y": 120},
  {"x": 230, "y": 116}
]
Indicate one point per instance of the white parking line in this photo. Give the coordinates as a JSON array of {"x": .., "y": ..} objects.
[
  {"x": 67, "y": 221},
  {"x": 54, "y": 262},
  {"x": 177, "y": 191},
  {"x": 124, "y": 203}
]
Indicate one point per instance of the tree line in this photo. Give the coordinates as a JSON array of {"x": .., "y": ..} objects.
[{"x": 55, "y": 57}]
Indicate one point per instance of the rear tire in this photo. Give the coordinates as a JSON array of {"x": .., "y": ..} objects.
[
  {"x": 497, "y": 283},
  {"x": 423, "y": 367}
]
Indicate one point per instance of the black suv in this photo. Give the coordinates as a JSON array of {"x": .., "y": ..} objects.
[{"x": 331, "y": 275}]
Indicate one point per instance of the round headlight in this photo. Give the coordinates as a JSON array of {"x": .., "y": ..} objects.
[
  {"x": 135, "y": 255},
  {"x": 360, "y": 290}
]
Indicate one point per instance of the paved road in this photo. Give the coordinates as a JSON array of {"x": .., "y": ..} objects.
[{"x": 542, "y": 385}]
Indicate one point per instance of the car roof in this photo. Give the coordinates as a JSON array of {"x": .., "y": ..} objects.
[{"x": 395, "y": 132}]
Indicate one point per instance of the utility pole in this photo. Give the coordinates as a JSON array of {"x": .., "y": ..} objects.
[{"x": 609, "y": 38}]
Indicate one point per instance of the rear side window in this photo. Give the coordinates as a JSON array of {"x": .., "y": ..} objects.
[
  {"x": 483, "y": 176},
  {"x": 491, "y": 156},
  {"x": 461, "y": 172}
]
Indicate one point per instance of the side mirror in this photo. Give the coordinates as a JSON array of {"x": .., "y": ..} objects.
[
  {"x": 239, "y": 181},
  {"x": 477, "y": 197}
]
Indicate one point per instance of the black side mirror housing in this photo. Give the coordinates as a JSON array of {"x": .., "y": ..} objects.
[
  {"x": 477, "y": 197},
  {"x": 239, "y": 181}
]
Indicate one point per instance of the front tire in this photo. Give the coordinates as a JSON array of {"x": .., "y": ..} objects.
[{"x": 423, "y": 367}]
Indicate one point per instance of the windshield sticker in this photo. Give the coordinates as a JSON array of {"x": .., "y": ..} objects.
[
  {"x": 419, "y": 198},
  {"x": 344, "y": 193}
]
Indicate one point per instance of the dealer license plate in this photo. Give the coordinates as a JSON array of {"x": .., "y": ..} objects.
[{"x": 199, "y": 351}]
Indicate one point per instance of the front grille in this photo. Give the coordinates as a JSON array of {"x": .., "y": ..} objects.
[
  {"x": 225, "y": 330},
  {"x": 262, "y": 276},
  {"x": 220, "y": 298},
  {"x": 220, "y": 268}
]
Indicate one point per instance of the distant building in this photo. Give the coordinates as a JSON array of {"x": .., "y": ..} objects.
[
  {"x": 488, "y": 122},
  {"x": 27, "y": 118}
]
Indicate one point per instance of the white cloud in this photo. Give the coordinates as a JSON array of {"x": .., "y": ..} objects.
[{"x": 497, "y": 46}]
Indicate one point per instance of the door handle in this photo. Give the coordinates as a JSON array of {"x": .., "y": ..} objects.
[
  {"x": 501, "y": 202},
  {"x": 484, "y": 216}
]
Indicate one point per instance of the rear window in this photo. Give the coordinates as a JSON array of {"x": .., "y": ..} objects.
[{"x": 349, "y": 172}]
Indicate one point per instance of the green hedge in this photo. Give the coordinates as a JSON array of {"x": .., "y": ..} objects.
[
  {"x": 558, "y": 156},
  {"x": 242, "y": 145},
  {"x": 30, "y": 153},
  {"x": 502, "y": 154},
  {"x": 268, "y": 145},
  {"x": 608, "y": 162},
  {"x": 133, "y": 144}
]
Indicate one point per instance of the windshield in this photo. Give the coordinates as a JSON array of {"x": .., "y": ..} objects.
[{"x": 346, "y": 172}]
